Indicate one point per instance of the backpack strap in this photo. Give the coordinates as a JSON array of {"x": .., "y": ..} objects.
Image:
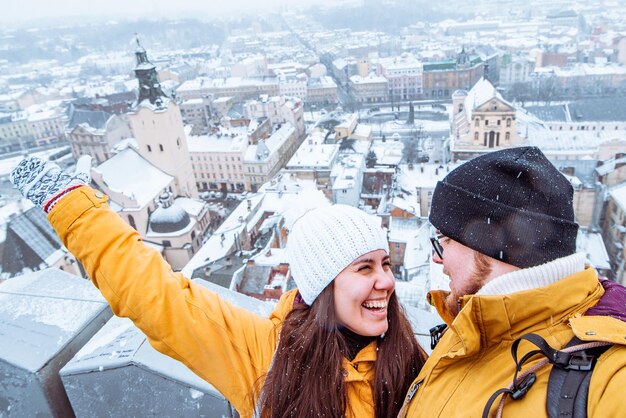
[
  {"x": 568, "y": 387},
  {"x": 574, "y": 357}
]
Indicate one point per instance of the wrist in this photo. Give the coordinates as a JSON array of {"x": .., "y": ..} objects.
[{"x": 49, "y": 204}]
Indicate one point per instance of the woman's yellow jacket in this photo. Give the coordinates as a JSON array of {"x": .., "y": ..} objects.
[{"x": 227, "y": 346}]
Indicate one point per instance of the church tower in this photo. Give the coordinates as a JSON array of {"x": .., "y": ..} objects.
[
  {"x": 145, "y": 71},
  {"x": 157, "y": 126}
]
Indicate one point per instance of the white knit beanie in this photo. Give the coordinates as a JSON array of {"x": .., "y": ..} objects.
[{"x": 326, "y": 240}]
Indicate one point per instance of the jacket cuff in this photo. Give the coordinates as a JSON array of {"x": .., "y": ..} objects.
[{"x": 67, "y": 210}]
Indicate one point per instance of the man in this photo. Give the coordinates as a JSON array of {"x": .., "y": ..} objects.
[{"x": 507, "y": 240}]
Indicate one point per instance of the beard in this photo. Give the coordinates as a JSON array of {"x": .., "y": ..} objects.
[{"x": 481, "y": 270}]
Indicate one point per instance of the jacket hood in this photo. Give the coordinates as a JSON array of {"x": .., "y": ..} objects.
[
  {"x": 612, "y": 303},
  {"x": 284, "y": 306}
]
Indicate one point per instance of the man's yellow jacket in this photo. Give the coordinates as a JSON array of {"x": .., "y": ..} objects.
[{"x": 473, "y": 358}]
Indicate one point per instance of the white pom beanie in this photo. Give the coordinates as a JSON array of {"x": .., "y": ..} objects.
[{"x": 326, "y": 240}]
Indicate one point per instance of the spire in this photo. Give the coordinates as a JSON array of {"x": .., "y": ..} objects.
[
  {"x": 140, "y": 53},
  {"x": 145, "y": 71}
]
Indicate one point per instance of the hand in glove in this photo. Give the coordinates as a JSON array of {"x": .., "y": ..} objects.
[{"x": 44, "y": 183}]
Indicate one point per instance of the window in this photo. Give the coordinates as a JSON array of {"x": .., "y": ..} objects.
[
  {"x": 131, "y": 221},
  {"x": 508, "y": 122},
  {"x": 486, "y": 122},
  {"x": 475, "y": 136},
  {"x": 507, "y": 136},
  {"x": 485, "y": 139},
  {"x": 477, "y": 122},
  {"x": 149, "y": 148},
  {"x": 161, "y": 147}
]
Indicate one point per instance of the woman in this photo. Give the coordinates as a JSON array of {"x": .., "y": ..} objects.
[{"x": 338, "y": 346}]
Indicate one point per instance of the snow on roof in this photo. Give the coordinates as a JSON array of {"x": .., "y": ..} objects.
[
  {"x": 388, "y": 152},
  {"x": 322, "y": 82},
  {"x": 609, "y": 166},
  {"x": 9, "y": 209},
  {"x": 313, "y": 156},
  {"x": 480, "y": 93},
  {"x": 618, "y": 194},
  {"x": 404, "y": 62},
  {"x": 160, "y": 105},
  {"x": 130, "y": 174},
  {"x": 216, "y": 247},
  {"x": 591, "y": 243},
  {"x": 347, "y": 179},
  {"x": 348, "y": 172},
  {"x": 8, "y": 164},
  {"x": 362, "y": 130},
  {"x": 422, "y": 175},
  {"x": 195, "y": 84},
  {"x": 405, "y": 204},
  {"x": 255, "y": 153},
  {"x": 222, "y": 99},
  {"x": 271, "y": 258},
  {"x": 287, "y": 197},
  {"x": 192, "y": 206},
  {"x": 43, "y": 115},
  {"x": 42, "y": 312},
  {"x": 370, "y": 79},
  {"x": 119, "y": 343},
  {"x": 415, "y": 233},
  {"x": 196, "y": 101},
  {"x": 221, "y": 142}
]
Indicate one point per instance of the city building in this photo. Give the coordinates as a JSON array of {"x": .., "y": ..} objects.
[
  {"x": 157, "y": 126},
  {"x": 404, "y": 76},
  {"x": 614, "y": 231},
  {"x": 31, "y": 245},
  {"x": 482, "y": 121},
  {"x": 263, "y": 160},
  {"x": 369, "y": 89},
  {"x": 321, "y": 90},
  {"x": 95, "y": 133},
  {"x": 217, "y": 159},
  {"x": 442, "y": 78},
  {"x": 278, "y": 109}
]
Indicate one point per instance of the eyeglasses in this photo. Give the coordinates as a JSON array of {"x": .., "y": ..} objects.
[{"x": 437, "y": 245}]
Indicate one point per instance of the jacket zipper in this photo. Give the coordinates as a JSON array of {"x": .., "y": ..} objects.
[{"x": 408, "y": 398}]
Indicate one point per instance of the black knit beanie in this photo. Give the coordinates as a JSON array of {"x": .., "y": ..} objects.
[{"x": 512, "y": 205}]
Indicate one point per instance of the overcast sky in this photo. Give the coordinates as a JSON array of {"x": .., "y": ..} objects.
[{"x": 20, "y": 11}]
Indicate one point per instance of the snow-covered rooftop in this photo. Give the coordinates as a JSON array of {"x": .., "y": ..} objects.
[
  {"x": 234, "y": 140},
  {"x": 618, "y": 194},
  {"x": 267, "y": 148},
  {"x": 480, "y": 93},
  {"x": 284, "y": 196},
  {"x": 130, "y": 174}
]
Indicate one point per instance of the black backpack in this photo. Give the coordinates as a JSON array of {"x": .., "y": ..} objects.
[{"x": 568, "y": 384}]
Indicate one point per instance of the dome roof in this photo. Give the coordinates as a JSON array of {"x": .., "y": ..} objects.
[{"x": 169, "y": 219}]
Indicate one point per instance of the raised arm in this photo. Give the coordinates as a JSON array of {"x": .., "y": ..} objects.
[{"x": 227, "y": 346}]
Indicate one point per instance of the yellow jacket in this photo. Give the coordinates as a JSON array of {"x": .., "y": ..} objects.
[
  {"x": 473, "y": 358},
  {"x": 227, "y": 346}
]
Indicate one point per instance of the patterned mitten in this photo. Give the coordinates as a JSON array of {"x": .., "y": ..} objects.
[{"x": 44, "y": 183}]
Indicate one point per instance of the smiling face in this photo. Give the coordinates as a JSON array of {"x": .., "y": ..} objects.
[
  {"x": 362, "y": 291},
  {"x": 467, "y": 269}
]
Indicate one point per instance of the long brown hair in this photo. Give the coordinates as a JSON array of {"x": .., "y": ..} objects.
[{"x": 306, "y": 378}]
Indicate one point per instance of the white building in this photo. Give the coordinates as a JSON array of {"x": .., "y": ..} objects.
[
  {"x": 347, "y": 179},
  {"x": 404, "y": 76},
  {"x": 263, "y": 160},
  {"x": 372, "y": 88}
]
